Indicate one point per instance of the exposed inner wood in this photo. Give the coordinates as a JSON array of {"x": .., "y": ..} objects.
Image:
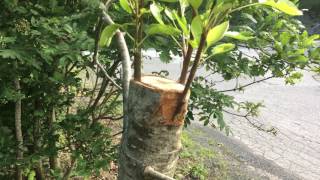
[{"x": 170, "y": 92}]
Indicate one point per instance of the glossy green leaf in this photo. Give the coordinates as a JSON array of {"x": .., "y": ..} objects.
[
  {"x": 197, "y": 28},
  {"x": 217, "y": 33},
  {"x": 107, "y": 34},
  {"x": 285, "y": 6},
  {"x": 125, "y": 6},
  {"x": 156, "y": 12},
  {"x": 195, "y": 4},
  {"x": 169, "y": 14},
  {"x": 182, "y": 23},
  {"x": 222, "y": 48},
  {"x": 238, "y": 36},
  {"x": 161, "y": 29}
]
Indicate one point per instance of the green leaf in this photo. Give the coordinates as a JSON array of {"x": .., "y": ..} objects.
[
  {"x": 125, "y": 6},
  {"x": 165, "y": 56},
  {"x": 285, "y": 38},
  {"x": 9, "y": 53},
  {"x": 31, "y": 175},
  {"x": 183, "y": 5},
  {"x": 222, "y": 7},
  {"x": 285, "y": 6},
  {"x": 298, "y": 59},
  {"x": 195, "y": 4},
  {"x": 107, "y": 34},
  {"x": 194, "y": 44},
  {"x": 250, "y": 17},
  {"x": 206, "y": 122},
  {"x": 222, "y": 48},
  {"x": 169, "y": 14},
  {"x": 182, "y": 21},
  {"x": 156, "y": 12},
  {"x": 217, "y": 33},
  {"x": 196, "y": 29},
  {"x": 311, "y": 40},
  {"x": 162, "y": 29},
  {"x": 169, "y": 1},
  {"x": 238, "y": 36}
]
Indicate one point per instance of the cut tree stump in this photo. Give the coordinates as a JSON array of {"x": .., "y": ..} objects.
[{"x": 153, "y": 138}]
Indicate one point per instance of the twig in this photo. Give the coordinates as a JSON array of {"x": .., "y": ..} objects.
[
  {"x": 249, "y": 84},
  {"x": 259, "y": 127},
  {"x": 95, "y": 55},
  {"x": 109, "y": 118},
  {"x": 107, "y": 75},
  {"x": 116, "y": 134}
]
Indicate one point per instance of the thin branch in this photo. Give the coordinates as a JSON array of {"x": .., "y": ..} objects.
[
  {"x": 244, "y": 86},
  {"x": 109, "y": 118},
  {"x": 95, "y": 55},
  {"x": 112, "y": 118},
  {"x": 125, "y": 57},
  {"x": 107, "y": 75},
  {"x": 255, "y": 125},
  {"x": 182, "y": 98},
  {"x": 116, "y": 134}
]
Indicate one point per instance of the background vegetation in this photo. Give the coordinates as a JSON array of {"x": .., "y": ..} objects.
[{"x": 55, "y": 86}]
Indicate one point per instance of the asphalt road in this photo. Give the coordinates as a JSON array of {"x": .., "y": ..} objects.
[{"x": 294, "y": 111}]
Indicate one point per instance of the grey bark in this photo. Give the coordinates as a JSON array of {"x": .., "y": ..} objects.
[
  {"x": 153, "y": 138},
  {"x": 37, "y": 141},
  {"x": 126, "y": 70},
  {"x": 53, "y": 160},
  {"x": 19, "y": 137}
]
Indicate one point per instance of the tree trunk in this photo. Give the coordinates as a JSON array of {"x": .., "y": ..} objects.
[
  {"x": 37, "y": 142},
  {"x": 19, "y": 137},
  {"x": 152, "y": 138},
  {"x": 53, "y": 160}
]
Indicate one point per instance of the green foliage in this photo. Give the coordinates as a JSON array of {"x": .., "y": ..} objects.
[
  {"x": 223, "y": 48},
  {"x": 107, "y": 34},
  {"x": 230, "y": 27},
  {"x": 52, "y": 43},
  {"x": 199, "y": 172},
  {"x": 217, "y": 33},
  {"x": 193, "y": 157},
  {"x": 160, "y": 29}
]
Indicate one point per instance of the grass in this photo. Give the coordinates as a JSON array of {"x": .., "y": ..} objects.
[{"x": 198, "y": 162}]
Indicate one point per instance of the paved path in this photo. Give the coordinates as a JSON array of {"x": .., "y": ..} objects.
[{"x": 293, "y": 110}]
